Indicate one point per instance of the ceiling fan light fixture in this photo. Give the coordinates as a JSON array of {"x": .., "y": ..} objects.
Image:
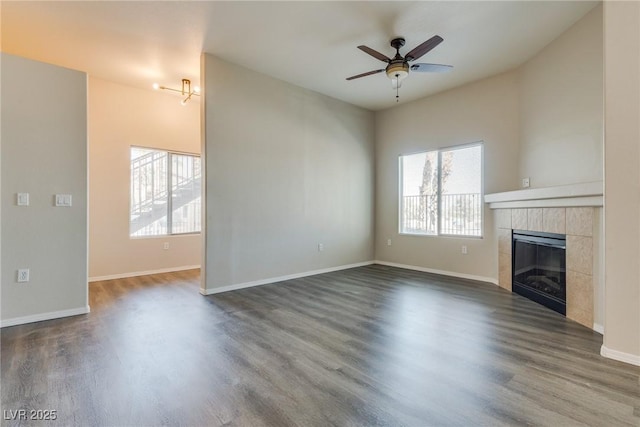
[{"x": 398, "y": 71}]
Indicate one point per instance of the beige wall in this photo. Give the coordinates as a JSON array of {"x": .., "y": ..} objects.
[
  {"x": 622, "y": 180},
  {"x": 561, "y": 113},
  {"x": 287, "y": 169},
  {"x": 483, "y": 111},
  {"x": 44, "y": 152},
  {"x": 119, "y": 117}
]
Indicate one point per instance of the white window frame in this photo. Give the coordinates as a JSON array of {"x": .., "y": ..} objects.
[
  {"x": 439, "y": 152},
  {"x": 169, "y": 193}
]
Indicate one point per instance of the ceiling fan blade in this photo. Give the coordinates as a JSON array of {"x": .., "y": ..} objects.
[
  {"x": 431, "y": 68},
  {"x": 365, "y": 74},
  {"x": 425, "y": 47},
  {"x": 374, "y": 53}
]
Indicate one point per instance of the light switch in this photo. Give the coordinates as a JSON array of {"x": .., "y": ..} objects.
[
  {"x": 23, "y": 199},
  {"x": 63, "y": 200}
]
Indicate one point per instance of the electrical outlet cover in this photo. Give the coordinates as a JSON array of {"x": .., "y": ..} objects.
[
  {"x": 23, "y": 199},
  {"x": 23, "y": 275}
]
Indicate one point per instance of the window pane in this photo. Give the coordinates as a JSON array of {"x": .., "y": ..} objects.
[
  {"x": 186, "y": 196},
  {"x": 149, "y": 192},
  {"x": 419, "y": 198},
  {"x": 461, "y": 199}
]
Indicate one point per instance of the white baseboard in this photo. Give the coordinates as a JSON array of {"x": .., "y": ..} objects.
[
  {"x": 442, "y": 272},
  {"x": 620, "y": 356},
  {"x": 142, "y": 273},
  {"x": 598, "y": 328},
  {"x": 281, "y": 278},
  {"x": 44, "y": 316}
]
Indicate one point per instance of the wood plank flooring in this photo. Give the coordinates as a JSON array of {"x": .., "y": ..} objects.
[{"x": 370, "y": 346}]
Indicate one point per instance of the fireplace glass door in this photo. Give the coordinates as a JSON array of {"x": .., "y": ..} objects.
[{"x": 539, "y": 270}]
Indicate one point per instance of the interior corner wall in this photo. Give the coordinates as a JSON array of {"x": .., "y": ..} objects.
[
  {"x": 287, "y": 169},
  {"x": 120, "y": 117},
  {"x": 622, "y": 181},
  {"x": 486, "y": 111},
  {"x": 561, "y": 107},
  {"x": 44, "y": 152}
]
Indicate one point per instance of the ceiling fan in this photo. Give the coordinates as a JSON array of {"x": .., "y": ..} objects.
[{"x": 398, "y": 67}]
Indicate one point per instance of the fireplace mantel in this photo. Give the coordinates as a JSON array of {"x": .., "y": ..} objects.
[{"x": 586, "y": 194}]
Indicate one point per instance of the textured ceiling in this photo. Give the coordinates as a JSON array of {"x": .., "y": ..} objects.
[{"x": 309, "y": 44}]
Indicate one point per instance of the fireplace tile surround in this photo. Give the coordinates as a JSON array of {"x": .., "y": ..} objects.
[
  {"x": 579, "y": 251},
  {"x": 570, "y": 211}
]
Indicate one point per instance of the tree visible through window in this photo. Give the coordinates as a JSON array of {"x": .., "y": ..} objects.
[
  {"x": 441, "y": 192},
  {"x": 165, "y": 193}
]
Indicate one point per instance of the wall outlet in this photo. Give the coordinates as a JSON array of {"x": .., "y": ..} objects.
[
  {"x": 22, "y": 199},
  {"x": 464, "y": 250},
  {"x": 165, "y": 246},
  {"x": 320, "y": 247},
  {"x": 23, "y": 275},
  {"x": 525, "y": 182},
  {"x": 388, "y": 242}
]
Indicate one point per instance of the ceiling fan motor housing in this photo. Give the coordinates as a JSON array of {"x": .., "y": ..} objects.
[{"x": 397, "y": 43}]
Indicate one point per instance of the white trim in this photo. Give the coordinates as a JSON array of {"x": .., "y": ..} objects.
[
  {"x": 143, "y": 273},
  {"x": 44, "y": 316},
  {"x": 281, "y": 278},
  {"x": 619, "y": 356},
  {"x": 441, "y": 272},
  {"x": 557, "y": 192},
  {"x": 586, "y": 201},
  {"x": 598, "y": 328}
]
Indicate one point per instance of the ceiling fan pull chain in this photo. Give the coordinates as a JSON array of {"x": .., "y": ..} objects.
[{"x": 397, "y": 87}]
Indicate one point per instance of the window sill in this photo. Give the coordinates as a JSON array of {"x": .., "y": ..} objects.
[
  {"x": 447, "y": 236},
  {"x": 164, "y": 236}
]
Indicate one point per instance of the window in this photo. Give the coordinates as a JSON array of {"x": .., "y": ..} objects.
[
  {"x": 165, "y": 193},
  {"x": 441, "y": 192}
]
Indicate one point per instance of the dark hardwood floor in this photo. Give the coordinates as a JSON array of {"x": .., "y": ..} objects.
[{"x": 370, "y": 346}]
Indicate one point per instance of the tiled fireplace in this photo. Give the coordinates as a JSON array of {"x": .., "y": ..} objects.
[{"x": 579, "y": 225}]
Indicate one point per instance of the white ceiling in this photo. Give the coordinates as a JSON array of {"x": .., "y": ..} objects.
[{"x": 310, "y": 44}]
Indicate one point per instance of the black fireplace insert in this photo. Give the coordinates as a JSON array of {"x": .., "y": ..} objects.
[{"x": 539, "y": 268}]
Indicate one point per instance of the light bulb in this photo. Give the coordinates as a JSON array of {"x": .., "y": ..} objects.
[
  {"x": 156, "y": 86},
  {"x": 183, "y": 102},
  {"x": 196, "y": 89},
  {"x": 396, "y": 83}
]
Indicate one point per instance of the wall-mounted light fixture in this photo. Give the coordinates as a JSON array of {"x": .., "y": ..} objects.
[{"x": 185, "y": 91}]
